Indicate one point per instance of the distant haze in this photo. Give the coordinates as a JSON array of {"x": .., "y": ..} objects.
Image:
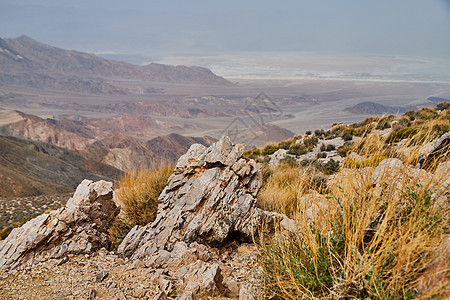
[{"x": 140, "y": 30}]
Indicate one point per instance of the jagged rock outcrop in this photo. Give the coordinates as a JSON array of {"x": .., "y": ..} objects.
[
  {"x": 79, "y": 227},
  {"x": 209, "y": 199}
]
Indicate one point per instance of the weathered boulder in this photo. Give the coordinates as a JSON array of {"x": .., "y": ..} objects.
[
  {"x": 79, "y": 227},
  {"x": 434, "y": 150},
  {"x": 276, "y": 157},
  {"x": 209, "y": 199},
  {"x": 389, "y": 170}
]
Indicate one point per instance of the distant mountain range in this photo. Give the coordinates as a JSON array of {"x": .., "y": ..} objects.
[
  {"x": 26, "y": 62},
  {"x": 372, "y": 108},
  {"x": 42, "y": 156}
]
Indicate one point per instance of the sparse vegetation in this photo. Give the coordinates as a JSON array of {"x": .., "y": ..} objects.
[
  {"x": 297, "y": 149},
  {"x": 443, "y": 106},
  {"x": 354, "y": 238},
  {"x": 285, "y": 185},
  {"x": 321, "y": 155},
  {"x": 137, "y": 193},
  {"x": 329, "y": 147},
  {"x": 347, "y": 136}
]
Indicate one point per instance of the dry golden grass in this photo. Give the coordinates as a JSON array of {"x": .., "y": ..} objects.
[
  {"x": 286, "y": 185},
  {"x": 359, "y": 239},
  {"x": 137, "y": 193}
]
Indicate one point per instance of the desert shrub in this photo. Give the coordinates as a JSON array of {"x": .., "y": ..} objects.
[
  {"x": 284, "y": 144},
  {"x": 319, "y": 132},
  {"x": 287, "y": 143},
  {"x": 318, "y": 183},
  {"x": 252, "y": 153},
  {"x": 411, "y": 115},
  {"x": 426, "y": 113},
  {"x": 310, "y": 142},
  {"x": 269, "y": 149},
  {"x": 137, "y": 193},
  {"x": 330, "y": 167},
  {"x": 368, "y": 241},
  {"x": 330, "y": 135},
  {"x": 347, "y": 136},
  {"x": 290, "y": 161},
  {"x": 308, "y": 132},
  {"x": 443, "y": 105},
  {"x": 321, "y": 155},
  {"x": 404, "y": 122},
  {"x": 345, "y": 149},
  {"x": 330, "y": 147},
  {"x": 298, "y": 149}
]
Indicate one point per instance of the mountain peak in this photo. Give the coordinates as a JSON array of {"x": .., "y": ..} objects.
[
  {"x": 24, "y": 37},
  {"x": 26, "y": 41},
  {"x": 27, "y": 60}
]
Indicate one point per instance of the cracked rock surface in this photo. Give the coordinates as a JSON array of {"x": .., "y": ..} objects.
[
  {"x": 79, "y": 227},
  {"x": 209, "y": 199}
]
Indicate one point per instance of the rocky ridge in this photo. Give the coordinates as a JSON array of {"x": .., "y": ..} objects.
[
  {"x": 209, "y": 201},
  {"x": 210, "y": 198},
  {"x": 197, "y": 248}
]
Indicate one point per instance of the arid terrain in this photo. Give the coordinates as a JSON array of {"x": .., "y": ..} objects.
[
  {"x": 154, "y": 100},
  {"x": 245, "y": 150},
  {"x": 67, "y": 115}
]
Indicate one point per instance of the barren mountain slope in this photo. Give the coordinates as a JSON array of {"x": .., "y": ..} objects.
[{"x": 27, "y": 62}]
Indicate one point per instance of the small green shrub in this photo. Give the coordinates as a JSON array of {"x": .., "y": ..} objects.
[
  {"x": 269, "y": 149},
  {"x": 253, "y": 153},
  {"x": 297, "y": 149},
  {"x": 285, "y": 144}
]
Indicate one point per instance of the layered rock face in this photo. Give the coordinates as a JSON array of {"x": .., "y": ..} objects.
[
  {"x": 79, "y": 227},
  {"x": 208, "y": 206},
  {"x": 210, "y": 199}
]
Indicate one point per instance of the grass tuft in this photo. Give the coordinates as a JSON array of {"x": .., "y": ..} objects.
[
  {"x": 368, "y": 232},
  {"x": 137, "y": 193}
]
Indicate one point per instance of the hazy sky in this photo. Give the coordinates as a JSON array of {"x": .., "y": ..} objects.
[{"x": 203, "y": 27}]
